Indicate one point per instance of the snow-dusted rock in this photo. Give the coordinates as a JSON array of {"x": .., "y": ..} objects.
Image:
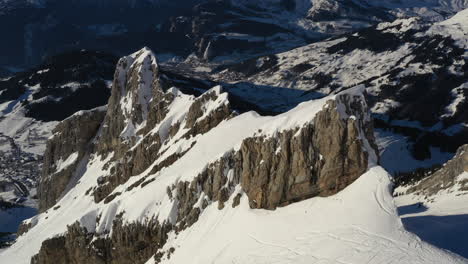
[
  {"x": 66, "y": 149},
  {"x": 189, "y": 153},
  {"x": 198, "y": 159}
]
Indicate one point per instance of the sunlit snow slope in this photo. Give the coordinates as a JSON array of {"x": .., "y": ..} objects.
[{"x": 358, "y": 225}]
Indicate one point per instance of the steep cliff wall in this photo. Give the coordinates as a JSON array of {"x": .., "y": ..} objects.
[
  {"x": 159, "y": 158},
  {"x": 69, "y": 145}
]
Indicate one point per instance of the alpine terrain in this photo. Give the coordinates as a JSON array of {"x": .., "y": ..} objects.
[{"x": 233, "y": 131}]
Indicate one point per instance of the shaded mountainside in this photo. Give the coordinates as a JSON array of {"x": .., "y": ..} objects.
[
  {"x": 453, "y": 175},
  {"x": 224, "y": 30},
  {"x": 61, "y": 86},
  {"x": 31, "y": 104},
  {"x": 406, "y": 66}
]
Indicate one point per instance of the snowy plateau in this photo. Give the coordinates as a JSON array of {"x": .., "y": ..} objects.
[{"x": 266, "y": 131}]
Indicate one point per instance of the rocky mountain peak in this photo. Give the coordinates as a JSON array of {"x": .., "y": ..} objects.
[
  {"x": 136, "y": 77},
  {"x": 136, "y": 85},
  {"x": 202, "y": 150},
  {"x": 248, "y": 138},
  {"x": 129, "y": 181}
]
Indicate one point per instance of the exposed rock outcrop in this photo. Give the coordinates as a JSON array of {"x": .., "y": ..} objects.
[
  {"x": 201, "y": 118},
  {"x": 136, "y": 89},
  {"x": 136, "y": 82},
  {"x": 140, "y": 102},
  {"x": 148, "y": 129},
  {"x": 69, "y": 145},
  {"x": 134, "y": 243},
  {"x": 319, "y": 159}
]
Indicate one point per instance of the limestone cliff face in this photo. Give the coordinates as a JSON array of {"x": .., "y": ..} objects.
[
  {"x": 128, "y": 244},
  {"x": 136, "y": 82},
  {"x": 65, "y": 150},
  {"x": 139, "y": 103},
  {"x": 136, "y": 88},
  {"x": 317, "y": 160},
  {"x": 148, "y": 128}
]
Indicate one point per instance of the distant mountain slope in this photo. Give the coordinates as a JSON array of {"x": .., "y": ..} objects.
[
  {"x": 31, "y": 104},
  {"x": 37, "y": 29},
  {"x": 415, "y": 75}
]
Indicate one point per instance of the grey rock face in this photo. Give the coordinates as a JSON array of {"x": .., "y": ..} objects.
[
  {"x": 136, "y": 82},
  {"x": 129, "y": 244},
  {"x": 72, "y": 137},
  {"x": 318, "y": 159},
  {"x": 138, "y": 99},
  {"x": 197, "y": 123}
]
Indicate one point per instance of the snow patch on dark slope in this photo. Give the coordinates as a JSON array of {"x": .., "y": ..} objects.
[{"x": 405, "y": 65}]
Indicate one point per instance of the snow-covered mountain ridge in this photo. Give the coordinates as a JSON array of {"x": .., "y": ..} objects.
[
  {"x": 177, "y": 130},
  {"x": 164, "y": 166},
  {"x": 180, "y": 157}
]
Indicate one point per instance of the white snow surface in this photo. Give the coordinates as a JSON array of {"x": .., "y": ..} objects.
[
  {"x": 359, "y": 224},
  {"x": 63, "y": 164},
  {"x": 28, "y": 133},
  {"x": 439, "y": 219},
  {"x": 450, "y": 201},
  {"x": 455, "y": 27}
]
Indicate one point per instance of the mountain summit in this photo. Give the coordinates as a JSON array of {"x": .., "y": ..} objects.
[
  {"x": 268, "y": 131},
  {"x": 141, "y": 180}
]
